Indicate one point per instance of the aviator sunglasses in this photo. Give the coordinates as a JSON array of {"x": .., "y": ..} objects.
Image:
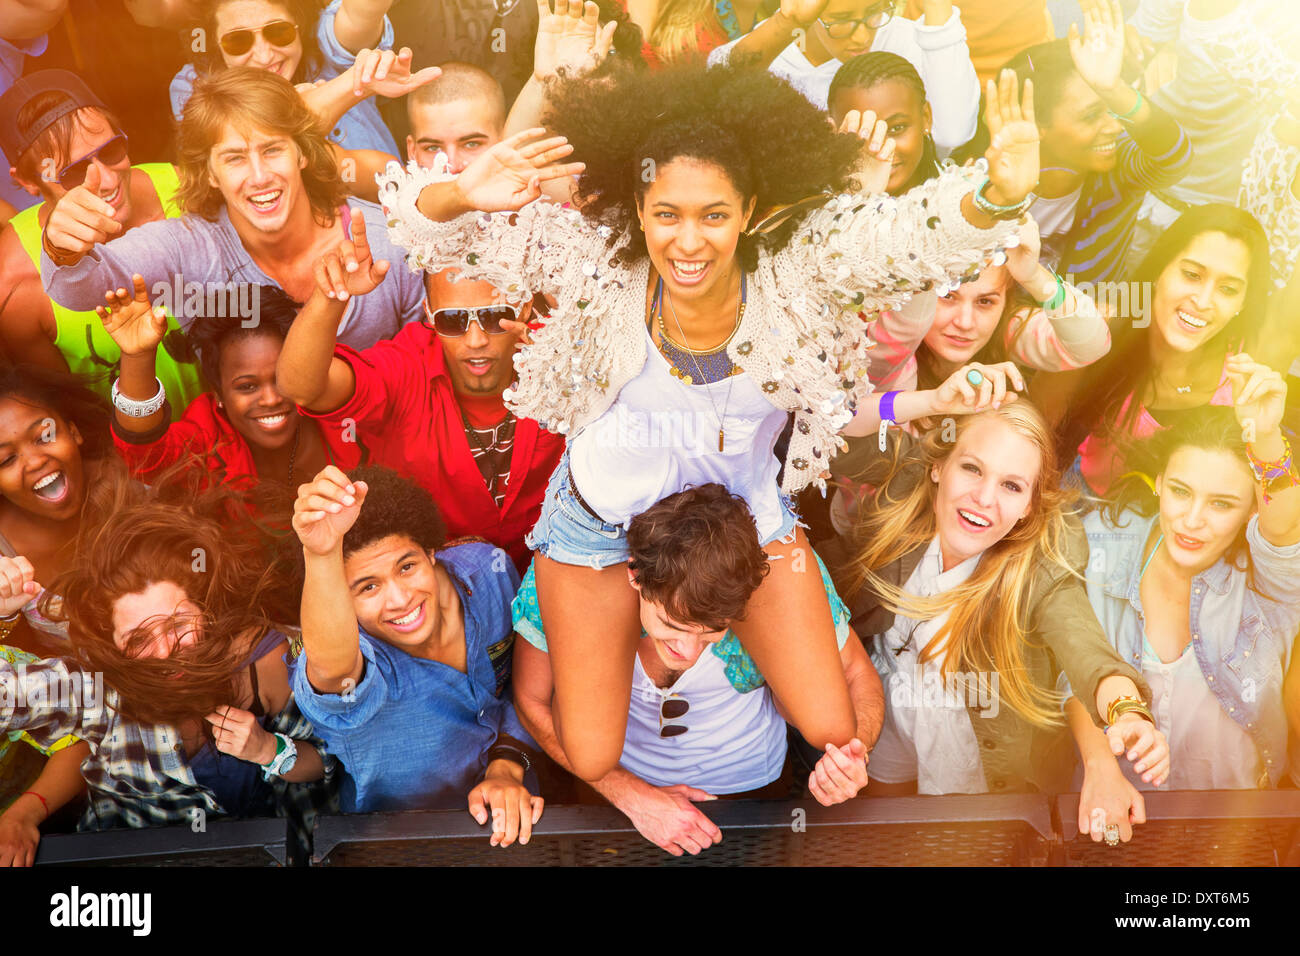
[
  {"x": 455, "y": 322},
  {"x": 280, "y": 33}
]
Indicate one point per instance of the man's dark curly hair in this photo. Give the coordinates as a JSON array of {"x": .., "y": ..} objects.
[
  {"x": 697, "y": 554},
  {"x": 394, "y": 506},
  {"x": 771, "y": 141}
]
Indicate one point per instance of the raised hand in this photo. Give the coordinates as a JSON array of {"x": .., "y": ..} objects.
[
  {"x": 570, "y": 38},
  {"x": 509, "y": 175},
  {"x": 237, "y": 732},
  {"x": 1099, "y": 54},
  {"x": 80, "y": 219},
  {"x": 803, "y": 12},
  {"x": 1258, "y": 396},
  {"x": 327, "y": 507},
  {"x": 350, "y": 270},
  {"x": 1148, "y": 750},
  {"x": 876, "y": 164},
  {"x": 17, "y": 584},
  {"x": 1012, "y": 155},
  {"x": 386, "y": 73},
  {"x": 960, "y": 395},
  {"x": 135, "y": 326},
  {"x": 1022, "y": 259}
]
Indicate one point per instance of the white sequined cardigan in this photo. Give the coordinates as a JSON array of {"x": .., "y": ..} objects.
[{"x": 803, "y": 338}]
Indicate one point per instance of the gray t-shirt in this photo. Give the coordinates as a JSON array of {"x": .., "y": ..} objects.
[{"x": 172, "y": 254}]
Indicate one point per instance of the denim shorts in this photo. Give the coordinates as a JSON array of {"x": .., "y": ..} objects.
[{"x": 567, "y": 533}]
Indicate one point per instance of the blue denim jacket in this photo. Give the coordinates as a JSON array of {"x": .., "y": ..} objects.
[
  {"x": 1241, "y": 639},
  {"x": 414, "y": 734}
]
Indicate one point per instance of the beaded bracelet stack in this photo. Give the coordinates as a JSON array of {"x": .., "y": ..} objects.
[{"x": 1275, "y": 475}]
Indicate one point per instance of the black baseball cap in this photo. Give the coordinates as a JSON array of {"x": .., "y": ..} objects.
[{"x": 15, "y": 141}]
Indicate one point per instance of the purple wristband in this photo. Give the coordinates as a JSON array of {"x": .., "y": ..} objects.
[{"x": 887, "y": 407}]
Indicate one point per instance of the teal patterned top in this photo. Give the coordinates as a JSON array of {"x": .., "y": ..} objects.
[{"x": 740, "y": 669}]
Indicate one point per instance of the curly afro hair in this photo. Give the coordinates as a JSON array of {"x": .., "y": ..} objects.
[
  {"x": 774, "y": 145},
  {"x": 394, "y": 506}
]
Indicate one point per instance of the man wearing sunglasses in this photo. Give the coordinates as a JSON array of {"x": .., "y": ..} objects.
[
  {"x": 428, "y": 403},
  {"x": 701, "y": 721},
  {"x": 39, "y": 115},
  {"x": 807, "y": 41},
  {"x": 263, "y": 198}
]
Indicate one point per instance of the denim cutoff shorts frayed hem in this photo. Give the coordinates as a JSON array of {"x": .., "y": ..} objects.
[{"x": 568, "y": 534}]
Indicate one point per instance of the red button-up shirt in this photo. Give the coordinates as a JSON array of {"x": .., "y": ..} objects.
[{"x": 405, "y": 415}]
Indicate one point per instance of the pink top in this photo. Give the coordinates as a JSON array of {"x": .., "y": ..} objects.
[{"x": 1101, "y": 463}]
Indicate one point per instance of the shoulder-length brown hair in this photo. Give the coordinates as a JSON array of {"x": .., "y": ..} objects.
[
  {"x": 200, "y": 540},
  {"x": 250, "y": 99},
  {"x": 988, "y": 625}
]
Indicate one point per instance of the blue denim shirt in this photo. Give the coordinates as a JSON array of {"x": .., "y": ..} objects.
[
  {"x": 1242, "y": 639},
  {"x": 414, "y": 734}
]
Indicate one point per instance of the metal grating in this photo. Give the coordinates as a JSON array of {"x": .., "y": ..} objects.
[{"x": 258, "y": 842}]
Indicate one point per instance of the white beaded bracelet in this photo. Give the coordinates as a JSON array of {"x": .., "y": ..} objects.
[{"x": 135, "y": 409}]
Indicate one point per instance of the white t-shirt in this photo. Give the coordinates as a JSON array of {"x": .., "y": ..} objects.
[
  {"x": 734, "y": 742},
  {"x": 1208, "y": 750},
  {"x": 940, "y": 55},
  {"x": 661, "y": 435},
  {"x": 927, "y": 735},
  {"x": 1055, "y": 217}
]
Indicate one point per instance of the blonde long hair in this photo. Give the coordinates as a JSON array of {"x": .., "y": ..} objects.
[
  {"x": 987, "y": 626},
  {"x": 674, "y": 31}
]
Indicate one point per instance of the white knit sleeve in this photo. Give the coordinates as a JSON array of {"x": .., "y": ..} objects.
[
  {"x": 544, "y": 247},
  {"x": 872, "y": 252}
]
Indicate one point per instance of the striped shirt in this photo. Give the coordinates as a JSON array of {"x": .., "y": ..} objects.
[{"x": 1152, "y": 156}]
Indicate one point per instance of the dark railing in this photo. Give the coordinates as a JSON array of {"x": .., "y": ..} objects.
[{"x": 1209, "y": 828}]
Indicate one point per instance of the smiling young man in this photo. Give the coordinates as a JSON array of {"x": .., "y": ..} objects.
[
  {"x": 406, "y": 654},
  {"x": 429, "y": 403},
  {"x": 460, "y": 114},
  {"x": 58, "y": 136},
  {"x": 702, "y": 722},
  {"x": 807, "y": 41},
  {"x": 264, "y": 201}
]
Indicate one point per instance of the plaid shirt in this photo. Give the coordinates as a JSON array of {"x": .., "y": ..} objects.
[{"x": 138, "y": 774}]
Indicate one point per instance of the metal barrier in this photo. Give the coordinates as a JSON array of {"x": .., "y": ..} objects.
[
  {"x": 1208, "y": 828},
  {"x": 260, "y": 842},
  {"x": 1008, "y": 830},
  {"x": 1194, "y": 828}
]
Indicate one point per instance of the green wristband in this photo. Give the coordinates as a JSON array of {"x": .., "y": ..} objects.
[
  {"x": 1058, "y": 297},
  {"x": 1133, "y": 112}
]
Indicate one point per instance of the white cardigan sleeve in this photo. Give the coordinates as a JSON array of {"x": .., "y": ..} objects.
[{"x": 873, "y": 252}]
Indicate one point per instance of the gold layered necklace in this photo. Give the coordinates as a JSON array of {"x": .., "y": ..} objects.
[{"x": 718, "y": 363}]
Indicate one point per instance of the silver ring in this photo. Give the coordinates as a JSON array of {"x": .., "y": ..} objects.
[{"x": 1111, "y": 834}]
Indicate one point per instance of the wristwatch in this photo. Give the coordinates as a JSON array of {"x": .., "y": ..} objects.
[{"x": 286, "y": 755}]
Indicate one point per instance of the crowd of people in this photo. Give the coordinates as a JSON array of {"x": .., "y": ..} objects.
[{"x": 739, "y": 398}]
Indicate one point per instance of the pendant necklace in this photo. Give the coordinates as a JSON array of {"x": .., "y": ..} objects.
[{"x": 740, "y": 314}]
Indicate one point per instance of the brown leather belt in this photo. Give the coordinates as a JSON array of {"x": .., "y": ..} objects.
[{"x": 577, "y": 496}]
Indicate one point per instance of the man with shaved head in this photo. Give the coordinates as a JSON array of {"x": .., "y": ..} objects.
[{"x": 462, "y": 113}]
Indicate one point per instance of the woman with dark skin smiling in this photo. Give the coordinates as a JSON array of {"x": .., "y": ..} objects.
[
  {"x": 53, "y": 448},
  {"x": 1104, "y": 146},
  {"x": 1207, "y": 277},
  {"x": 246, "y": 431},
  {"x": 668, "y": 301}
]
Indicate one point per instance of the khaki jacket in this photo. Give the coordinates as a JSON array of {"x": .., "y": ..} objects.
[{"x": 1064, "y": 637}]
